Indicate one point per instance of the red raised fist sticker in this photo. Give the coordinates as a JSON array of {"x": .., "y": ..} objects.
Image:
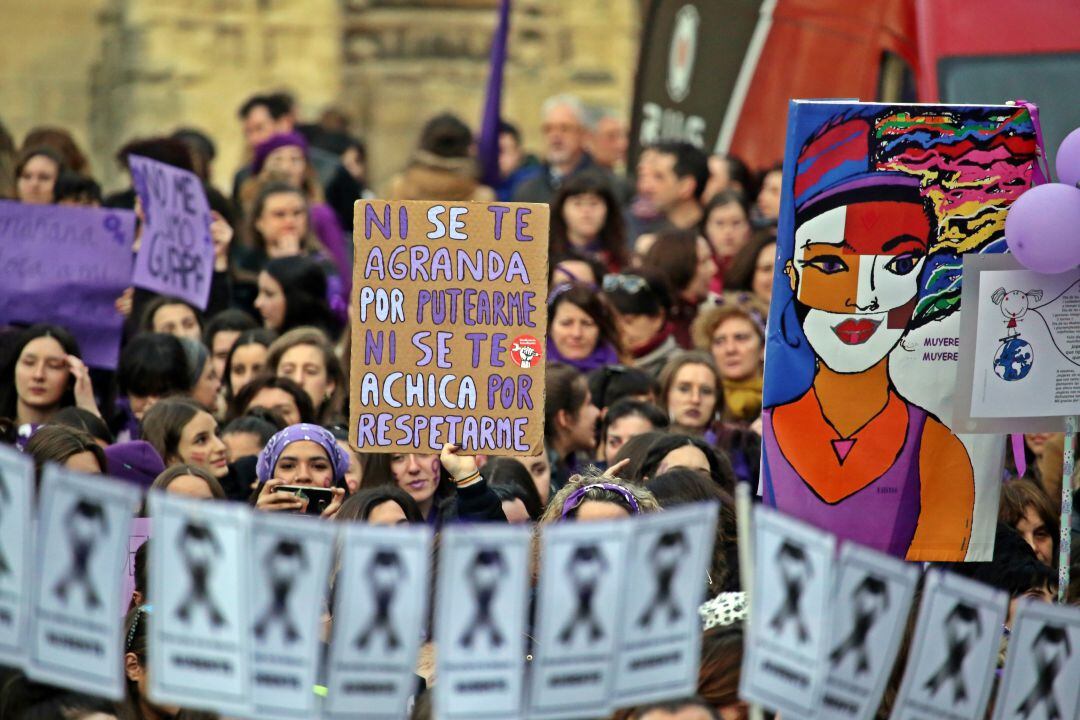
[{"x": 526, "y": 351}]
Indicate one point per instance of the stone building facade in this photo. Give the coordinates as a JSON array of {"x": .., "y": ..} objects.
[{"x": 113, "y": 70}]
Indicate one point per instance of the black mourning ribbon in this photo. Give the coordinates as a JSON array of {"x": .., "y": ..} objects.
[
  {"x": 794, "y": 570},
  {"x": 384, "y": 571},
  {"x": 483, "y": 576},
  {"x": 85, "y": 524},
  {"x": 869, "y": 597},
  {"x": 195, "y": 538},
  {"x": 586, "y": 566},
  {"x": 284, "y": 559},
  {"x": 1051, "y": 649},
  {"x": 666, "y": 555},
  {"x": 959, "y": 645},
  {"x": 5, "y": 498}
]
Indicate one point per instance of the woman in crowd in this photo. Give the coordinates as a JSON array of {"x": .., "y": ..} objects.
[
  {"x": 569, "y": 422},
  {"x": 1025, "y": 507},
  {"x": 587, "y": 219},
  {"x": 247, "y": 435},
  {"x": 691, "y": 391},
  {"x": 581, "y": 329},
  {"x": 734, "y": 333},
  {"x": 683, "y": 451},
  {"x": 204, "y": 382},
  {"x": 182, "y": 431},
  {"x": 246, "y": 360},
  {"x": 446, "y": 487},
  {"x": 36, "y": 173},
  {"x": 278, "y": 394},
  {"x": 752, "y": 269},
  {"x": 590, "y": 498},
  {"x": 514, "y": 485},
  {"x": 292, "y": 293},
  {"x": 222, "y": 332},
  {"x": 726, "y": 225},
  {"x": 573, "y": 268},
  {"x": 382, "y": 505},
  {"x": 44, "y": 374},
  {"x": 443, "y": 167},
  {"x": 642, "y": 307},
  {"x": 152, "y": 366},
  {"x": 767, "y": 204},
  {"x": 305, "y": 455},
  {"x": 74, "y": 449},
  {"x": 305, "y": 356},
  {"x": 627, "y": 419},
  {"x": 354, "y": 475},
  {"x": 190, "y": 481},
  {"x": 282, "y": 160},
  {"x": 172, "y": 316},
  {"x": 137, "y": 704},
  {"x": 685, "y": 260},
  {"x": 612, "y": 383}
]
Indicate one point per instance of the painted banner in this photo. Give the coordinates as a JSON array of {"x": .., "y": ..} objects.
[
  {"x": 176, "y": 254},
  {"x": 480, "y": 624},
  {"x": 200, "y": 560},
  {"x": 67, "y": 265},
  {"x": 291, "y": 563},
  {"x": 450, "y": 316},
  {"x": 880, "y": 204},
  {"x": 76, "y": 633},
  {"x": 381, "y": 598},
  {"x": 786, "y": 650},
  {"x": 16, "y": 553},
  {"x": 949, "y": 672},
  {"x": 582, "y": 588}
]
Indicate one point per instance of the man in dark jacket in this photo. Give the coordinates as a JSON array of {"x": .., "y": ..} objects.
[{"x": 564, "y": 154}]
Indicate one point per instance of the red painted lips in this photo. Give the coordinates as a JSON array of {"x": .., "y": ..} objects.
[{"x": 856, "y": 332}]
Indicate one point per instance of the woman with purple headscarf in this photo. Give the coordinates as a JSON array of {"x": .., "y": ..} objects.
[{"x": 305, "y": 455}]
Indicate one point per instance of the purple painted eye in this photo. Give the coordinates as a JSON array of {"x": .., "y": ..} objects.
[
  {"x": 828, "y": 264},
  {"x": 903, "y": 264}
]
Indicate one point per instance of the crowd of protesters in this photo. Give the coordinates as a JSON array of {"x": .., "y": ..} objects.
[{"x": 660, "y": 281}]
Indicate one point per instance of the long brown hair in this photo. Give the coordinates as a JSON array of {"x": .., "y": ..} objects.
[{"x": 612, "y": 237}]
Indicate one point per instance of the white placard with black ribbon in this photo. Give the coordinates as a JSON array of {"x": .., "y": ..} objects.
[{"x": 16, "y": 553}]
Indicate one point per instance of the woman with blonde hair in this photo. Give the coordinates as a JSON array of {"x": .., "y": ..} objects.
[{"x": 305, "y": 356}]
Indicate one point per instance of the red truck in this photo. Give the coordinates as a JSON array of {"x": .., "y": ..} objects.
[{"x": 719, "y": 73}]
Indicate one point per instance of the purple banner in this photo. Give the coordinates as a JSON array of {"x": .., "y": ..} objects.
[
  {"x": 67, "y": 265},
  {"x": 176, "y": 256}
]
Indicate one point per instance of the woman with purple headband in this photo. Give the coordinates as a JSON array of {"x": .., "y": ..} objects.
[
  {"x": 598, "y": 497},
  {"x": 301, "y": 454}
]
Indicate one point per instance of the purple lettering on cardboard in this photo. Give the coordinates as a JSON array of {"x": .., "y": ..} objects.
[
  {"x": 475, "y": 339},
  {"x": 418, "y": 339},
  {"x": 522, "y": 224},
  {"x": 498, "y": 211},
  {"x": 67, "y": 265},
  {"x": 497, "y": 350},
  {"x": 443, "y": 339},
  {"x": 176, "y": 254}
]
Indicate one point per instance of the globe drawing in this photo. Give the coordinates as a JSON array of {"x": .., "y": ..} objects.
[{"x": 1013, "y": 359}]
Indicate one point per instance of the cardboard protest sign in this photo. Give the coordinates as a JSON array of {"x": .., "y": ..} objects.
[
  {"x": 582, "y": 586},
  {"x": 1019, "y": 349},
  {"x": 785, "y": 658},
  {"x": 450, "y": 319},
  {"x": 140, "y": 533},
  {"x": 660, "y": 629},
  {"x": 949, "y": 674},
  {"x": 67, "y": 265},
  {"x": 199, "y": 633},
  {"x": 880, "y": 204},
  {"x": 76, "y": 634},
  {"x": 176, "y": 254},
  {"x": 16, "y": 553},
  {"x": 870, "y": 606},
  {"x": 380, "y": 612},
  {"x": 290, "y": 565},
  {"x": 483, "y": 603},
  {"x": 1042, "y": 664}
]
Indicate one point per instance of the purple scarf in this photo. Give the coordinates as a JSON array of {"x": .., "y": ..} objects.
[
  {"x": 268, "y": 458},
  {"x": 604, "y": 354}
]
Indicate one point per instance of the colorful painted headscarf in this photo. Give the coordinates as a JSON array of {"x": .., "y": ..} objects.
[{"x": 268, "y": 458}]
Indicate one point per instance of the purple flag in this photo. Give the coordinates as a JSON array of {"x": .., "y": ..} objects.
[
  {"x": 488, "y": 147},
  {"x": 67, "y": 265},
  {"x": 176, "y": 256}
]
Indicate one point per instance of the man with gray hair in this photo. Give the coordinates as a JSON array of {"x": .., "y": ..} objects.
[
  {"x": 608, "y": 138},
  {"x": 564, "y": 152}
]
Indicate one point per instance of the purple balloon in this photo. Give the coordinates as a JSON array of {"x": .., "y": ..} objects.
[
  {"x": 1042, "y": 228},
  {"x": 1067, "y": 161}
]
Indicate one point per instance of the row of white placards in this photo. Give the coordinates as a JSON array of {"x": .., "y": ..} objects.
[
  {"x": 826, "y": 628},
  {"x": 237, "y": 600}
]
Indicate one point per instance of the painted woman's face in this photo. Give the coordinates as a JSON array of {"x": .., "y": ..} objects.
[{"x": 856, "y": 269}]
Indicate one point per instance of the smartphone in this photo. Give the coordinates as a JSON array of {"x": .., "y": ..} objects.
[{"x": 318, "y": 498}]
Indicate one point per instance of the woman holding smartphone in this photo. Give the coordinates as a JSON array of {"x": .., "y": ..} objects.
[{"x": 302, "y": 470}]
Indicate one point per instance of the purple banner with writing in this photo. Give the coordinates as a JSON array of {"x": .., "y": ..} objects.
[
  {"x": 67, "y": 265},
  {"x": 176, "y": 256}
]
